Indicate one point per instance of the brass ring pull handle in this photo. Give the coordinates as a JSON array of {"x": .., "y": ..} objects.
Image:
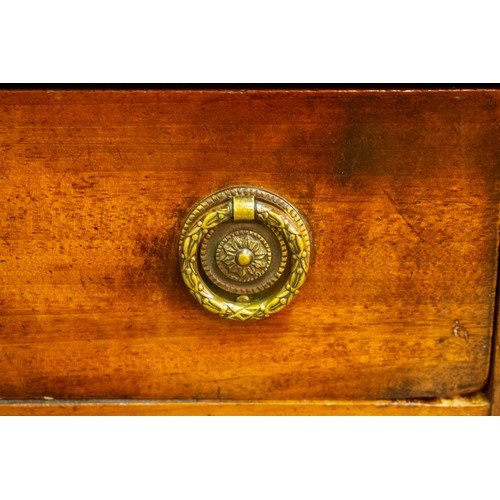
[{"x": 244, "y": 252}]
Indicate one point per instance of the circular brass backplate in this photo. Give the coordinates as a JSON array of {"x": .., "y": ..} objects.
[
  {"x": 243, "y": 258},
  {"x": 244, "y": 252}
]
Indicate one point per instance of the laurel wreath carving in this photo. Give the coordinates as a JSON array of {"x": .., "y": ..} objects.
[{"x": 296, "y": 237}]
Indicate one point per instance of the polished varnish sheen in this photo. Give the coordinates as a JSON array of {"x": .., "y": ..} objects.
[{"x": 401, "y": 191}]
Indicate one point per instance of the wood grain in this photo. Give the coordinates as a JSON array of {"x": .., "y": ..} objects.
[
  {"x": 401, "y": 190},
  {"x": 474, "y": 405}
]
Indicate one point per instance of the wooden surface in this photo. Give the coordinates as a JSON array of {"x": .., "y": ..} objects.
[
  {"x": 401, "y": 190},
  {"x": 494, "y": 388},
  {"x": 475, "y": 405}
]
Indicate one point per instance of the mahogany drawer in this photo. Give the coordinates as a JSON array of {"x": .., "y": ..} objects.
[{"x": 401, "y": 192}]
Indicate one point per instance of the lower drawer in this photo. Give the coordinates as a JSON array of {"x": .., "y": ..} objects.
[{"x": 473, "y": 405}]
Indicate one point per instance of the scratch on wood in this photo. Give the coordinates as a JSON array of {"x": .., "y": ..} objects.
[
  {"x": 123, "y": 160},
  {"x": 459, "y": 330},
  {"x": 398, "y": 210},
  {"x": 211, "y": 138}
]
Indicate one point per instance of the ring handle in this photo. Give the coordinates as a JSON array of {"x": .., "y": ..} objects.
[{"x": 244, "y": 252}]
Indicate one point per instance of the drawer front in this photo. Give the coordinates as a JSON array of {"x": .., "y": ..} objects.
[{"x": 401, "y": 192}]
